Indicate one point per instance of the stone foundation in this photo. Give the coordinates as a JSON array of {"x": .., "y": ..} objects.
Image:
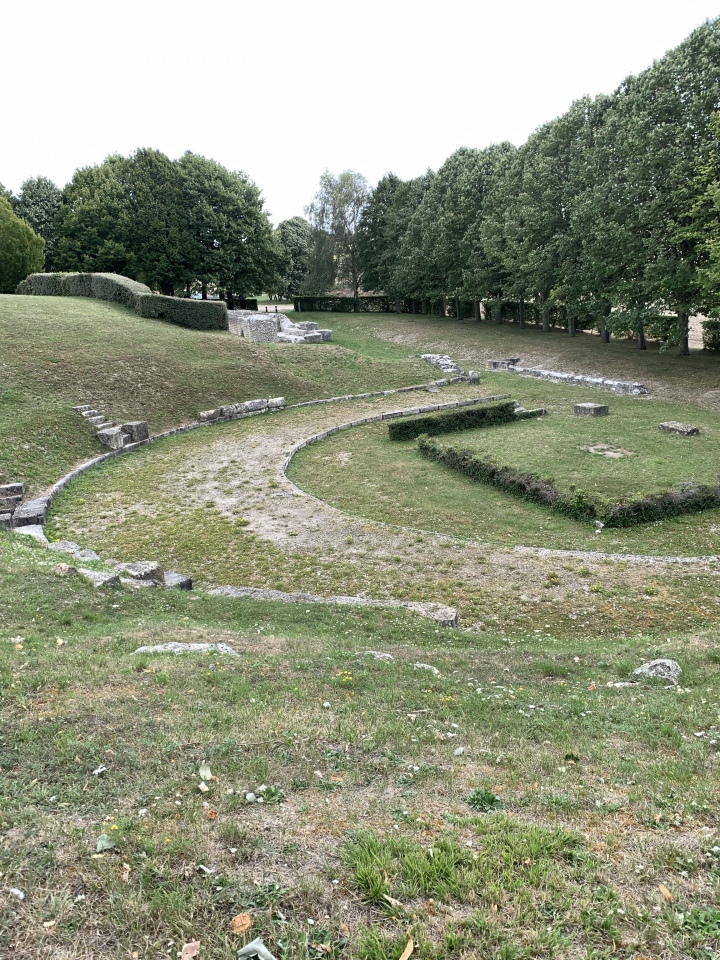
[
  {"x": 275, "y": 328},
  {"x": 604, "y": 383}
]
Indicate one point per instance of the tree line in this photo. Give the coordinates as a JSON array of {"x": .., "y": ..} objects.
[
  {"x": 176, "y": 225},
  {"x": 607, "y": 217}
]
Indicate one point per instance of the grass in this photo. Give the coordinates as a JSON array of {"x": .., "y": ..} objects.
[
  {"x": 67, "y": 351},
  {"x": 391, "y": 482},
  {"x": 522, "y": 803},
  {"x": 571, "y": 865}
]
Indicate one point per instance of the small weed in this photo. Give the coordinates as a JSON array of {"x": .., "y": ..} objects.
[{"x": 484, "y": 801}]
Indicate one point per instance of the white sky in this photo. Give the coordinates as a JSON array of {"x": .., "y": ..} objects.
[{"x": 283, "y": 89}]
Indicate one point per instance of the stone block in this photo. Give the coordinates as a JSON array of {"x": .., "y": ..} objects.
[
  {"x": 32, "y": 513},
  {"x": 89, "y": 412},
  {"x": 205, "y": 416},
  {"x": 12, "y": 489},
  {"x": 99, "y": 578},
  {"x": 276, "y": 403},
  {"x": 96, "y": 421},
  {"x": 290, "y": 338},
  {"x": 135, "y": 430},
  {"x": 325, "y": 334},
  {"x": 178, "y": 581},
  {"x": 34, "y": 530},
  {"x": 682, "y": 429},
  {"x": 106, "y": 425},
  {"x": 503, "y": 364},
  {"x": 83, "y": 407},
  {"x": 8, "y": 504},
  {"x": 308, "y": 325},
  {"x": 254, "y": 406},
  {"x": 312, "y": 337},
  {"x": 473, "y": 376},
  {"x": 149, "y": 571},
  {"x": 64, "y": 546},
  {"x": 113, "y": 437},
  {"x": 5, "y": 521},
  {"x": 591, "y": 410}
]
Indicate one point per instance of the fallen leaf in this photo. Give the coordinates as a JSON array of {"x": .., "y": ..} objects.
[
  {"x": 205, "y": 772},
  {"x": 189, "y": 950},
  {"x": 344, "y": 930},
  {"x": 203, "y": 787},
  {"x": 135, "y": 955},
  {"x": 392, "y": 901},
  {"x": 665, "y": 892},
  {"x": 104, "y": 842},
  {"x": 240, "y": 924},
  {"x": 59, "y": 641},
  {"x": 49, "y": 923},
  {"x": 212, "y": 813},
  {"x": 408, "y": 950},
  {"x": 126, "y": 872}
]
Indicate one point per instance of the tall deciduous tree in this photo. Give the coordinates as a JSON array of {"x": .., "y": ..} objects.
[
  {"x": 37, "y": 204},
  {"x": 21, "y": 249},
  {"x": 294, "y": 237},
  {"x": 336, "y": 212}
]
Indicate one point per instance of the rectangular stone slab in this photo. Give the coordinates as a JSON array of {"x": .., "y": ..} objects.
[
  {"x": 591, "y": 410},
  {"x": 136, "y": 430},
  {"x": 12, "y": 489},
  {"x": 682, "y": 429}
]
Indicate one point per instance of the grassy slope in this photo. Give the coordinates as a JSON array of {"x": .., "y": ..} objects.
[
  {"x": 607, "y": 792},
  {"x": 64, "y": 351}
]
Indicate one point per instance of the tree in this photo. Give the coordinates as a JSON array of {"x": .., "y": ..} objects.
[
  {"x": 227, "y": 237},
  {"x": 384, "y": 223},
  {"x": 336, "y": 212},
  {"x": 294, "y": 237},
  {"x": 37, "y": 204},
  {"x": 21, "y": 249}
]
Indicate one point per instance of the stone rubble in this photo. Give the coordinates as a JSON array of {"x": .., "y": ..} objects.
[
  {"x": 628, "y": 387},
  {"x": 231, "y": 411},
  {"x": 667, "y": 670},
  {"x": 175, "y": 647},
  {"x": 443, "y": 362},
  {"x": 275, "y": 328}
]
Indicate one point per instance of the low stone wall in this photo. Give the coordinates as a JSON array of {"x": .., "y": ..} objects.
[
  {"x": 603, "y": 383},
  {"x": 275, "y": 328}
]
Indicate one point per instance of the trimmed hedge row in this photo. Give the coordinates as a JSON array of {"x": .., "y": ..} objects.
[
  {"x": 469, "y": 418},
  {"x": 193, "y": 314},
  {"x": 578, "y": 505},
  {"x": 366, "y": 304}
]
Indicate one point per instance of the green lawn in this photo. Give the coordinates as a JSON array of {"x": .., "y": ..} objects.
[
  {"x": 374, "y": 832},
  {"x": 519, "y": 802}
]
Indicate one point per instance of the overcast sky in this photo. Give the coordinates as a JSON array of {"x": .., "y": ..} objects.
[{"x": 283, "y": 89}]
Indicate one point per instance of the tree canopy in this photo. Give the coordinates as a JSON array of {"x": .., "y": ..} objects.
[{"x": 21, "y": 249}]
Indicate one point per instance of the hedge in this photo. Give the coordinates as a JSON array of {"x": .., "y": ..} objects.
[
  {"x": 194, "y": 314},
  {"x": 245, "y": 304},
  {"x": 366, "y": 304},
  {"x": 468, "y": 418},
  {"x": 578, "y": 505},
  {"x": 711, "y": 334}
]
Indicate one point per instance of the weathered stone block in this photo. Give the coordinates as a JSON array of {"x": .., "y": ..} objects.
[
  {"x": 308, "y": 325},
  {"x": 503, "y": 364},
  {"x": 591, "y": 410},
  {"x": 99, "y": 578},
  {"x": 682, "y": 429},
  {"x": 96, "y": 421},
  {"x": 83, "y": 407},
  {"x": 178, "y": 581},
  {"x": 207, "y": 415},
  {"x": 473, "y": 376},
  {"x": 113, "y": 437},
  {"x": 5, "y": 521},
  {"x": 106, "y": 425},
  {"x": 12, "y": 489},
  {"x": 8, "y": 504},
  {"x": 325, "y": 334},
  {"x": 147, "y": 570},
  {"x": 312, "y": 337},
  {"x": 276, "y": 403},
  {"x": 31, "y": 513},
  {"x": 254, "y": 406},
  {"x": 135, "y": 430},
  {"x": 89, "y": 412}
]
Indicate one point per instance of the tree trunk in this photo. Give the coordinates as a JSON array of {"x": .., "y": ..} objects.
[
  {"x": 497, "y": 311},
  {"x": 441, "y": 307},
  {"x": 570, "y": 322},
  {"x": 204, "y": 290},
  {"x": 684, "y": 325},
  {"x": 398, "y": 305},
  {"x": 604, "y": 332},
  {"x": 521, "y": 313},
  {"x": 230, "y": 301},
  {"x": 641, "y": 338},
  {"x": 187, "y": 289},
  {"x": 476, "y": 306},
  {"x": 424, "y": 306},
  {"x": 545, "y": 314},
  {"x": 458, "y": 309},
  {"x": 167, "y": 289}
]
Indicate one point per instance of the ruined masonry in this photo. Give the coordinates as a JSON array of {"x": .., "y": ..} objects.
[
  {"x": 274, "y": 328},
  {"x": 112, "y": 436}
]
